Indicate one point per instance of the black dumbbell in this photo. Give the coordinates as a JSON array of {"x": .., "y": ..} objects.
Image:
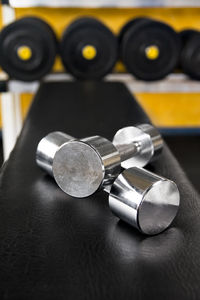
[
  {"x": 149, "y": 49},
  {"x": 28, "y": 48},
  {"x": 190, "y": 53},
  {"x": 88, "y": 49}
]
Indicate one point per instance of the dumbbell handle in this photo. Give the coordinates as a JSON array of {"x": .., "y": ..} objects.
[
  {"x": 136, "y": 146},
  {"x": 127, "y": 151}
]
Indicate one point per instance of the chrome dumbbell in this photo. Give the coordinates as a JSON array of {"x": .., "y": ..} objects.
[
  {"x": 81, "y": 167},
  {"x": 47, "y": 148},
  {"x": 144, "y": 200}
]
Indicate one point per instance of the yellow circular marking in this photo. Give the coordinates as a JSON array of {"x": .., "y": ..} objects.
[
  {"x": 152, "y": 52},
  {"x": 89, "y": 52},
  {"x": 24, "y": 52}
]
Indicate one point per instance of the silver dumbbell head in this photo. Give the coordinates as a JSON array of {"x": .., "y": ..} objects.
[
  {"x": 81, "y": 167},
  {"x": 144, "y": 200},
  {"x": 147, "y": 140},
  {"x": 47, "y": 148}
]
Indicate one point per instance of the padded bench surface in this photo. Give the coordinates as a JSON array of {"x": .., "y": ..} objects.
[{"x": 53, "y": 246}]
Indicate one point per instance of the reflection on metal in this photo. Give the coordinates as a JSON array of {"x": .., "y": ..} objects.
[
  {"x": 144, "y": 200},
  {"x": 105, "y": 3},
  {"x": 175, "y": 83},
  {"x": 47, "y": 148}
]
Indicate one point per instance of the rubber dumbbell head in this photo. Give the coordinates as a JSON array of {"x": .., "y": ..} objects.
[
  {"x": 28, "y": 48},
  {"x": 190, "y": 57},
  {"x": 89, "y": 50},
  {"x": 149, "y": 49}
]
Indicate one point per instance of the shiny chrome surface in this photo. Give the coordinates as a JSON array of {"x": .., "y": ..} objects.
[
  {"x": 81, "y": 167},
  {"x": 47, "y": 148},
  {"x": 156, "y": 139},
  {"x": 144, "y": 200},
  {"x": 138, "y": 145}
]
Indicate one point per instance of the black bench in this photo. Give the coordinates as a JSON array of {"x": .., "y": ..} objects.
[{"x": 53, "y": 246}]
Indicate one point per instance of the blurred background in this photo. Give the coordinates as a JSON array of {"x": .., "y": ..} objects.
[{"x": 151, "y": 46}]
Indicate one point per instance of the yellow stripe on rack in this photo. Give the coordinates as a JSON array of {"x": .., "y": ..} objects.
[{"x": 172, "y": 110}]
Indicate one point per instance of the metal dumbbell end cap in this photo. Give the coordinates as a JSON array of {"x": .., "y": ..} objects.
[
  {"x": 144, "y": 200},
  {"x": 47, "y": 148},
  {"x": 81, "y": 167},
  {"x": 146, "y": 144}
]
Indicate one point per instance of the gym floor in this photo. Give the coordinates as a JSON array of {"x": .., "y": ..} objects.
[{"x": 185, "y": 148}]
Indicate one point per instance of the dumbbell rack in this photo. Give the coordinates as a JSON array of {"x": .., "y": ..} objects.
[
  {"x": 10, "y": 101},
  {"x": 11, "y": 89},
  {"x": 174, "y": 83}
]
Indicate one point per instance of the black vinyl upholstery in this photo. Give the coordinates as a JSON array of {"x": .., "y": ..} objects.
[{"x": 53, "y": 246}]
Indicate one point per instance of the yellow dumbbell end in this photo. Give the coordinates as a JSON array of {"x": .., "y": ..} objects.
[
  {"x": 152, "y": 52},
  {"x": 89, "y": 52},
  {"x": 24, "y": 52}
]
